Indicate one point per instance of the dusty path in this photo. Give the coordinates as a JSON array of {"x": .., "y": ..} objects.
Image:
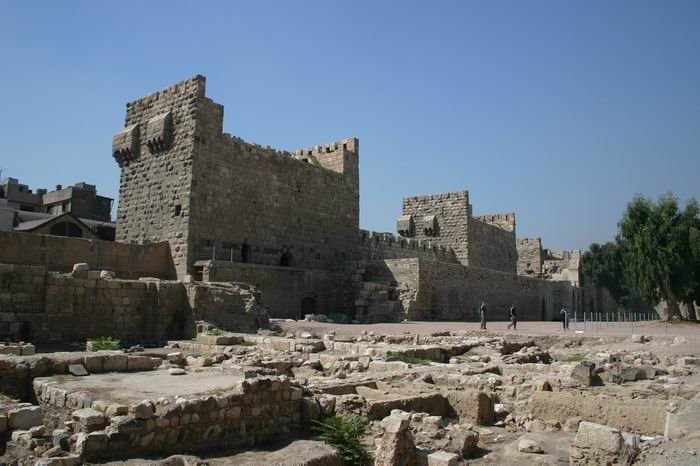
[{"x": 688, "y": 330}]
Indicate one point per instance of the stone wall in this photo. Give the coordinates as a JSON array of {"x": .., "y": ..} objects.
[
  {"x": 297, "y": 209},
  {"x": 60, "y": 253},
  {"x": 230, "y": 306},
  {"x": 443, "y": 291},
  {"x": 451, "y": 211},
  {"x": 375, "y": 246},
  {"x": 287, "y": 292},
  {"x": 185, "y": 181},
  {"x": 492, "y": 247},
  {"x": 562, "y": 265},
  {"x": 259, "y": 412},
  {"x": 39, "y": 306},
  {"x": 529, "y": 256},
  {"x": 487, "y": 241},
  {"x": 155, "y": 154},
  {"x": 502, "y": 221}
]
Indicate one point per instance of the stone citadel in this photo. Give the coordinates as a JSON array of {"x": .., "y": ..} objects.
[
  {"x": 216, "y": 236},
  {"x": 208, "y": 223}
]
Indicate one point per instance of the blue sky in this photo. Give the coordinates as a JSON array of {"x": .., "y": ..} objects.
[{"x": 558, "y": 110}]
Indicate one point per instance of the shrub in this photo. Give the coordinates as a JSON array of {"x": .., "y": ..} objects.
[
  {"x": 403, "y": 357},
  {"x": 345, "y": 434},
  {"x": 217, "y": 332},
  {"x": 103, "y": 343}
]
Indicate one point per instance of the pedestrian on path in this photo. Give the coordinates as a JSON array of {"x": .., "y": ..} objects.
[
  {"x": 513, "y": 318},
  {"x": 564, "y": 318},
  {"x": 482, "y": 313}
]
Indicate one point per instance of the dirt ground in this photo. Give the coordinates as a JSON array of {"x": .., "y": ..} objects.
[{"x": 684, "y": 329}]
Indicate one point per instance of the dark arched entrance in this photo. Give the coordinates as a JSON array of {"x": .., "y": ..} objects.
[
  {"x": 286, "y": 260},
  {"x": 308, "y": 306}
]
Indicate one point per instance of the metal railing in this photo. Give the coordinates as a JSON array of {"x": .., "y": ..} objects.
[
  {"x": 203, "y": 253},
  {"x": 598, "y": 320}
]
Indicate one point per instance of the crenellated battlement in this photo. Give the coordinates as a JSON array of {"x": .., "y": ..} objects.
[
  {"x": 375, "y": 245},
  {"x": 457, "y": 195},
  {"x": 351, "y": 145},
  {"x": 505, "y": 221},
  {"x": 191, "y": 87},
  {"x": 536, "y": 240}
]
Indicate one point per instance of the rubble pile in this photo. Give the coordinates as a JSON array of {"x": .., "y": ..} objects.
[{"x": 440, "y": 399}]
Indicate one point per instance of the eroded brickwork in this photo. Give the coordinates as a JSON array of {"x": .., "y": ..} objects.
[
  {"x": 39, "y": 306},
  {"x": 210, "y": 194},
  {"x": 298, "y": 210},
  {"x": 491, "y": 246},
  {"x": 156, "y": 168},
  {"x": 529, "y": 256},
  {"x": 442, "y": 291},
  {"x": 375, "y": 245},
  {"x": 443, "y": 218},
  {"x": 487, "y": 241}
]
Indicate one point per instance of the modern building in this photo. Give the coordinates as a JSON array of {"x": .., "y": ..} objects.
[{"x": 80, "y": 199}]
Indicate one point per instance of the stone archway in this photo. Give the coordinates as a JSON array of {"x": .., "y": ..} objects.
[{"x": 308, "y": 306}]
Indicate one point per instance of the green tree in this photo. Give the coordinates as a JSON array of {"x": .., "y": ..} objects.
[
  {"x": 660, "y": 247},
  {"x": 602, "y": 266}
]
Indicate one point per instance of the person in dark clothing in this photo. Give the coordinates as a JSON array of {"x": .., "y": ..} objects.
[
  {"x": 513, "y": 318},
  {"x": 482, "y": 313},
  {"x": 564, "y": 318}
]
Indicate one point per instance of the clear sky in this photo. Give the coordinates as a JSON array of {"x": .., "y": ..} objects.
[{"x": 558, "y": 110}]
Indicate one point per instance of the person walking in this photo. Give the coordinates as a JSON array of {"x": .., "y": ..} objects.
[
  {"x": 513, "y": 318},
  {"x": 482, "y": 313},
  {"x": 564, "y": 318}
]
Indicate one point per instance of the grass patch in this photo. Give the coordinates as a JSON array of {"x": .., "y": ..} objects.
[
  {"x": 403, "y": 357},
  {"x": 103, "y": 343},
  {"x": 247, "y": 343},
  {"x": 576, "y": 357},
  {"x": 345, "y": 434},
  {"x": 216, "y": 332}
]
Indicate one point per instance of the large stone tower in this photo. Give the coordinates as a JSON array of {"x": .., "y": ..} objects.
[{"x": 214, "y": 196}]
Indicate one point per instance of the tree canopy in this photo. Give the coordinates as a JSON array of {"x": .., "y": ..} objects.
[
  {"x": 656, "y": 252},
  {"x": 602, "y": 266}
]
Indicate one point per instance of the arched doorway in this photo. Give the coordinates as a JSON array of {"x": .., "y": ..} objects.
[
  {"x": 286, "y": 260},
  {"x": 308, "y": 306}
]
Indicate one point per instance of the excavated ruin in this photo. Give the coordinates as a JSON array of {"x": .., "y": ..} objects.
[{"x": 447, "y": 398}]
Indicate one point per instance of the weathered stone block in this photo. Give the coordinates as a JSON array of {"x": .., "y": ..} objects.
[
  {"x": 25, "y": 418},
  {"x": 77, "y": 370}
]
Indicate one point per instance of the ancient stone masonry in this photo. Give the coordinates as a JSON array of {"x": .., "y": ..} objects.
[
  {"x": 60, "y": 253},
  {"x": 487, "y": 241},
  {"x": 39, "y": 306},
  {"x": 156, "y": 160},
  {"x": 212, "y": 195},
  {"x": 375, "y": 245},
  {"x": 289, "y": 292},
  {"x": 562, "y": 265},
  {"x": 434, "y": 290},
  {"x": 529, "y": 256},
  {"x": 217, "y": 235}
]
